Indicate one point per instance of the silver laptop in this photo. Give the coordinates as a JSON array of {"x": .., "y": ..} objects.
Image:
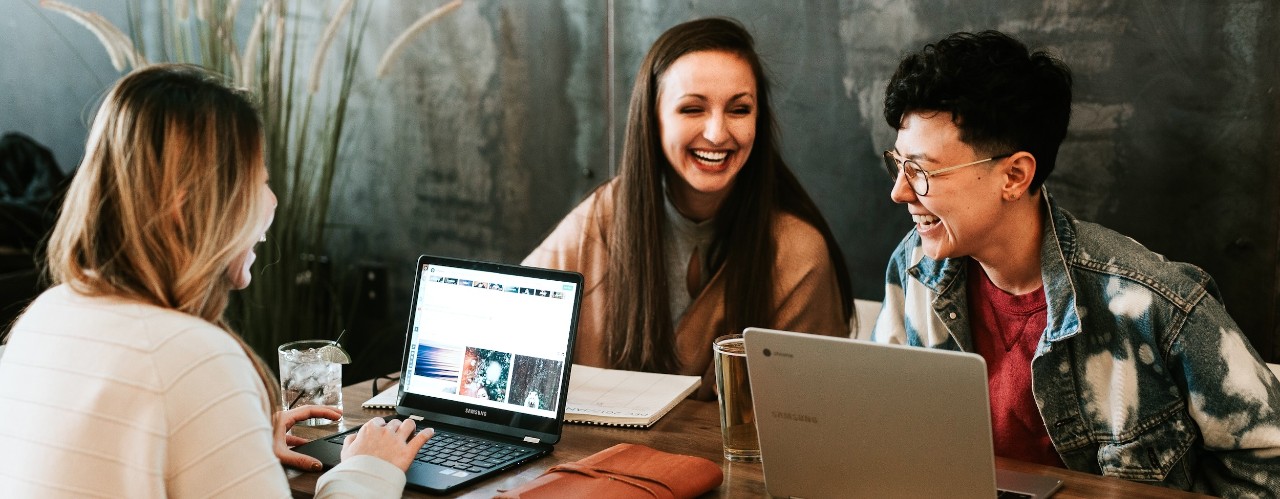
[
  {"x": 839, "y": 417},
  {"x": 486, "y": 364}
]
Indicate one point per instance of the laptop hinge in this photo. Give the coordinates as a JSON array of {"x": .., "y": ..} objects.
[
  {"x": 415, "y": 417},
  {"x": 532, "y": 440}
]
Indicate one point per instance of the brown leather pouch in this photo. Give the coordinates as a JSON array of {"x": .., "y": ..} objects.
[{"x": 624, "y": 471}]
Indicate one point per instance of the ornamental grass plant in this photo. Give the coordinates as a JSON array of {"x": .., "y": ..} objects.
[{"x": 282, "y": 58}]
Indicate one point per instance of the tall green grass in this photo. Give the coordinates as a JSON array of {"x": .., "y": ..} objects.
[{"x": 293, "y": 295}]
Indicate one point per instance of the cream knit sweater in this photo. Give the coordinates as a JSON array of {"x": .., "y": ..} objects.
[{"x": 102, "y": 397}]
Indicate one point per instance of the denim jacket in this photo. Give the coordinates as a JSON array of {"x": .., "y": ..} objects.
[{"x": 1140, "y": 373}]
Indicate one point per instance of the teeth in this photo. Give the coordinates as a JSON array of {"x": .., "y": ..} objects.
[
  {"x": 710, "y": 156},
  {"x": 924, "y": 219}
]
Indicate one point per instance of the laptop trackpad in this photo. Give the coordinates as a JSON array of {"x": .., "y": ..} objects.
[{"x": 433, "y": 476}]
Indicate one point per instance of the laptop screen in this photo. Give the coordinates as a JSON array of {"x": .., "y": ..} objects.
[{"x": 490, "y": 342}]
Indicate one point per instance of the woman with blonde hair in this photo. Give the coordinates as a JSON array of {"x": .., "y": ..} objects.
[{"x": 123, "y": 379}]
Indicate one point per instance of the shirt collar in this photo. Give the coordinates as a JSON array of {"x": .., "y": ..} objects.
[
  {"x": 1057, "y": 242},
  {"x": 698, "y": 231}
]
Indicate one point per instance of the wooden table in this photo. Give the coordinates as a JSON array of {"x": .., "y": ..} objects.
[{"x": 692, "y": 428}]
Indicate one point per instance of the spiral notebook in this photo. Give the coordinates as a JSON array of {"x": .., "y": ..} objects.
[
  {"x": 385, "y": 399},
  {"x": 608, "y": 397},
  {"x": 614, "y": 397}
]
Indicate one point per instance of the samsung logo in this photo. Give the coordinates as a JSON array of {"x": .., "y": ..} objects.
[
  {"x": 475, "y": 412},
  {"x": 800, "y": 418}
]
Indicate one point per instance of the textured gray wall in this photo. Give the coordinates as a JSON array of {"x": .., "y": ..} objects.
[
  {"x": 52, "y": 75},
  {"x": 504, "y": 114},
  {"x": 1173, "y": 139}
]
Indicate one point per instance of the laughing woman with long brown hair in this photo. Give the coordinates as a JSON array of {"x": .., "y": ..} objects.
[{"x": 705, "y": 231}]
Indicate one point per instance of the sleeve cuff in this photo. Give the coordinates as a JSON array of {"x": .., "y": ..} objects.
[{"x": 361, "y": 476}]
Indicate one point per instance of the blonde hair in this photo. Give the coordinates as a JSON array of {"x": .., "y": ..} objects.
[{"x": 164, "y": 202}]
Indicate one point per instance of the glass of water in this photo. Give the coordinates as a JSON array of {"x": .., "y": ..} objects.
[{"x": 311, "y": 375}]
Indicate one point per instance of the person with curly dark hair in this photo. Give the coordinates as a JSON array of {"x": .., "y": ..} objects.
[{"x": 1102, "y": 355}]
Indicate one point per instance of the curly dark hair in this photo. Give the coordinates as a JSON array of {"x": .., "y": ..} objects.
[{"x": 1002, "y": 97}]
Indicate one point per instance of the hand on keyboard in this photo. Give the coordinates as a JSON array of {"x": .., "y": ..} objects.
[{"x": 392, "y": 441}]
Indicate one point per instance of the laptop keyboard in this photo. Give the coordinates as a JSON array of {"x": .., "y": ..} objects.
[
  {"x": 1009, "y": 494},
  {"x": 462, "y": 452}
]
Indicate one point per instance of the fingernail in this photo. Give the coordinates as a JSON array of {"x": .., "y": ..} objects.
[{"x": 316, "y": 466}]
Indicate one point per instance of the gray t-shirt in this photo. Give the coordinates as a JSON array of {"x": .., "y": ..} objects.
[{"x": 680, "y": 238}]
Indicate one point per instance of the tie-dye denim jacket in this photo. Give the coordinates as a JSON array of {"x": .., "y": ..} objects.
[{"x": 1140, "y": 373}]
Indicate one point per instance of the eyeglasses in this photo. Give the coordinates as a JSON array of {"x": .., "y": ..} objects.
[{"x": 919, "y": 177}]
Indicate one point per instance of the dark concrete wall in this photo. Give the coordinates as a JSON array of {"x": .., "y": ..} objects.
[{"x": 503, "y": 115}]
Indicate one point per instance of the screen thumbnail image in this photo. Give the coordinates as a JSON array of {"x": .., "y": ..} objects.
[
  {"x": 485, "y": 374},
  {"x": 440, "y": 365},
  {"x": 535, "y": 382}
]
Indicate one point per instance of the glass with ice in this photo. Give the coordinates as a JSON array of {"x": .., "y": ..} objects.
[{"x": 311, "y": 374}]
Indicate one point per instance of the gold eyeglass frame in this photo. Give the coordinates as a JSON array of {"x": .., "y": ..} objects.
[{"x": 895, "y": 165}]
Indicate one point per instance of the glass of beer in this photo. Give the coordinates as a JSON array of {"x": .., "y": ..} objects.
[{"x": 737, "y": 415}]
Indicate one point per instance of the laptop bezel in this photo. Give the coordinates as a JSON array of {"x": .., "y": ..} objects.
[{"x": 517, "y": 425}]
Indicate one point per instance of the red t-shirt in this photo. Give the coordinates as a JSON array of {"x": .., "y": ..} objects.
[{"x": 1006, "y": 329}]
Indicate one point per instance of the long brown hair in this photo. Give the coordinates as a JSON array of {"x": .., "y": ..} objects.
[
  {"x": 165, "y": 199},
  {"x": 638, "y": 320}
]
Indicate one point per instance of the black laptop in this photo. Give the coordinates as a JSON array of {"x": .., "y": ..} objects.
[{"x": 486, "y": 364}]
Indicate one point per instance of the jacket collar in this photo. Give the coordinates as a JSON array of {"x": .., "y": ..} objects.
[{"x": 1057, "y": 245}]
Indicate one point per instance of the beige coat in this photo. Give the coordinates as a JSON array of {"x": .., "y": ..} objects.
[{"x": 806, "y": 297}]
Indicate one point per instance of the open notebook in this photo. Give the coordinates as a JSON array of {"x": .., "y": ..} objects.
[
  {"x": 607, "y": 397},
  {"x": 615, "y": 397},
  {"x": 385, "y": 399}
]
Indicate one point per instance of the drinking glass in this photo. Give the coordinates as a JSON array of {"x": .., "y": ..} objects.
[
  {"x": 737, "y": 415},
  {"x": 306, "y": 377}
]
